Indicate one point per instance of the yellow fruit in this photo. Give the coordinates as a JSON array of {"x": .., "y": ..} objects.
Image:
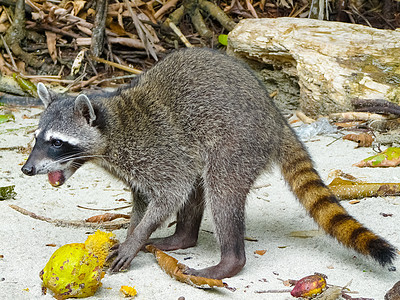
[
  {"x": 100, "y": 243},
  {"x": 128, "y": 291},
  {"x": 72, "y": 271}
]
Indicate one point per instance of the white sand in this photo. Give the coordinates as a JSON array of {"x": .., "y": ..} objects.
[{"x": 272, "y": 214}]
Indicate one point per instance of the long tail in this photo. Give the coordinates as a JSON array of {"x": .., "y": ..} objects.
[{"x": 298, "y": 170}]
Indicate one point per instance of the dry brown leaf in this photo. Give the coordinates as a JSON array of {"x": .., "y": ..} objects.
[
  {"x": 363, "y": 139},
  {"x": 347, "y": 189},
  {"x": 354, "y": 201},
  {"x": 119, "y": 30},
  {"x": 3, "y": 69},
  {"x": 106, "y": 217},
  {"x": 339, "y": 173},
  {"x": 51, "y": 39},
  {"x": 173, "y": 268},
  {"x": 260, "y": 252},
  {"x": 77, "y": 6},
  {"x": 4, "y": 27}
]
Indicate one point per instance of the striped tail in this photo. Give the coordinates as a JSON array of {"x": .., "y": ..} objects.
[{"x": 298, "y": 170}]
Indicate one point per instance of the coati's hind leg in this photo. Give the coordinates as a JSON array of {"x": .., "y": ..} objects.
[
  {"x": 226, "y": 193},
  {"x": 187, "y": 225}
]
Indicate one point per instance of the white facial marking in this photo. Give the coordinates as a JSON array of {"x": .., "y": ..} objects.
[
  {"x": 50, "y": 135},
  {"x": 37, "y": 132}
]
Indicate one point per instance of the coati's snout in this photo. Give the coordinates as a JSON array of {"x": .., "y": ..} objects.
[{"x": 53, "y": 158}]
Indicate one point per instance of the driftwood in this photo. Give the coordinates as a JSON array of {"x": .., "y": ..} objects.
[{"x": 333, "y": 62}]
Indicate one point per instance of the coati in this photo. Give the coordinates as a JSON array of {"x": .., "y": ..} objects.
[{"x": 196, "y": 129}]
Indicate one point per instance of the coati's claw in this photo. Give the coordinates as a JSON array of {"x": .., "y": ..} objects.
[{"x": 121, "y": 257}]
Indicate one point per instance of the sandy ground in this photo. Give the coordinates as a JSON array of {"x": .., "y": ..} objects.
[{"x": 272, "y": 214}]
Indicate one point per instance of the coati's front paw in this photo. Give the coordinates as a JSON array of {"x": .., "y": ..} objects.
[{"x": 121, "y": 256}]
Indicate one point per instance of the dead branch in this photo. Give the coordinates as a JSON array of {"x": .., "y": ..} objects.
[
  {"x": 144, "y": 35},
  {"x": 99, "y": 28},
  {"x": 376, "y": 106},
  {"x": 217, "y": 14},
  {"x": 163, "y": 10},
  {"x": 16, "y": 33},
  {"x": 74, "y": 223}
]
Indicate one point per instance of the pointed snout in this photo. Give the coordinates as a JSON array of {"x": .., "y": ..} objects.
[{"x": 28, "y": 169}]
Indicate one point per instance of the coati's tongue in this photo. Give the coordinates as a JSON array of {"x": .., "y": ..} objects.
[{"x": 56, "y": 178}]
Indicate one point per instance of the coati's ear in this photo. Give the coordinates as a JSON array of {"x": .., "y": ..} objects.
[
  {"x": 84, "y": 107},
  {"x": 45, "y": 95}
]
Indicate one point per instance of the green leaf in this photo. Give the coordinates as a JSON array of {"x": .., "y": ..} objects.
[
  {"x": 6, "y": 117},
  {"x": 223, "y": 39},
  {"x": 388, "y": 158},
  {"x": 7, "y": 192}
]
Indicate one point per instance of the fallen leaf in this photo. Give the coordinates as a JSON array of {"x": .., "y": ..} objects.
[
  {"x": 388, "y": 158},
  {"x": 348, "y": 189},
  {"x": 354, "y": 201},
  {"x": 76, "y": 65},
  {"x": 305, "y": 233},
  {"x": 106, "y": 217},
  {"x": 173, "y": 268},
  {"x": 250, "y": 239},
  {"x": 7, "y": 192},
  {"x": 6, "y": 117},
  {"x": 260, "y": 252},
  {"x": 51, "y": 39},
  {"x": 363, "y": 139},
  {"x": 339, "y": 173}
]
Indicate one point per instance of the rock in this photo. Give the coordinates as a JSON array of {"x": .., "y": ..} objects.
[
  {"x": 394, "y": 292},
  {"x": 332, "y": 62}
]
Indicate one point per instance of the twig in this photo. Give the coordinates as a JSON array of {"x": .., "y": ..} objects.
[
  {"x": 218, "y": 14},
  {"x": 9, "y": 53},
  {"x": 251, "y": 9},
  {"x": 143, "y": 33},
  {"x": 199, "y": 24},
  {"x": 104, "y": 209},
  {"x": 169, "y": 4},
  {"x": 77, "y": 87},
  {"x": 75, "y": 223},
  {"x": 273, "y": 291},
  {"x": 60, "y": 31},
  {"x": 99, "y": 28},
  {"x": 16, "y": 33},
  {"x": 110, "y": 63},
  {"x": 305, "y": 119},
  {"x": 376, "y": 106},
  {"x": 179, "y": 33},
  {"x": 118, "y": 78}
]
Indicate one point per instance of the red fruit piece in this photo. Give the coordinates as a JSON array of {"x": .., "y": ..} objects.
[{"x": 309, "y": 286}]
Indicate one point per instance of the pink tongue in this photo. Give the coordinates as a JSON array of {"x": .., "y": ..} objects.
[{"x": 56, "y": 178}]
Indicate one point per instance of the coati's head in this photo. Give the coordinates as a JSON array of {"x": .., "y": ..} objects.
[{"x": 68, "y": 135}]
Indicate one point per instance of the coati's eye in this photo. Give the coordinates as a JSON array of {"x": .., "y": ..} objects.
[{"x": 57, "y": 143}]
